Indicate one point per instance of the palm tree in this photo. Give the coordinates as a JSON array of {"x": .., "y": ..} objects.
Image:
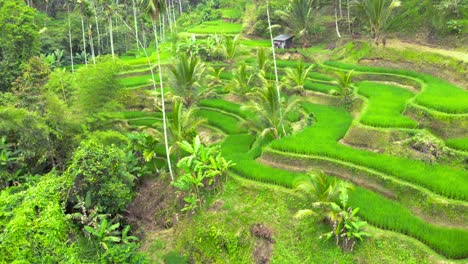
[
  {"x": 154, "y": 8},
  {"x": 302, "y": 19},
  {"x": 270, "y": 110},
  {"x": 377, "y": 12},
  {"x": 83, "y": 7},
  {"x": 135, "y": 21},
  {"x": 183, "y": 123},
  {"x": 242, "y": 80},
  {"x": 298, "y": 76},
  {"x": 68, "y": 3},
  {"x": 214, "y": 77},
  {"x": 262, "y": 61},
  {"x": 186, "y": 78},
  {"x": 336, "y": 18},
  {"x": 322, "y": 192},
  {"x": 230, "y": 46},
  {"x": 110, "y": 9}
]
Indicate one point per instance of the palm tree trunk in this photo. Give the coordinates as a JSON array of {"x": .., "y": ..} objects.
[
  {"x": 111, "y": 36},
  {"x": 274, "y": 63},
  {"x": 135, "y": 21},
  {"x": 336, "y": 21},
  {"x": 97, "y": 28},
  {"x": 84, "y": 40},
  {"x": 349, "y": 17},
  {"x": 174, "y": 15},
  {"x": 91, "y": 43},
  {"x": 341, "y": 10},
  {"x": 168, "y": 156},
  {"x": 70, "y": 39}
]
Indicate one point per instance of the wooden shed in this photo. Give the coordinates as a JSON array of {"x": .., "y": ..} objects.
[{"x": 283, "y": 41}]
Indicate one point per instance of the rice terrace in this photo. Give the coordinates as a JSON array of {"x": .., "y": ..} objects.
[{"x": 215, "y": 131}]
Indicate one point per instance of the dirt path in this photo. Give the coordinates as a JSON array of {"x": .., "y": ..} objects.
[{"x": 398, "y": 44}]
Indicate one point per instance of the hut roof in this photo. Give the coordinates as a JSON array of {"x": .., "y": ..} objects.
[{"x": 283, "y": 37}]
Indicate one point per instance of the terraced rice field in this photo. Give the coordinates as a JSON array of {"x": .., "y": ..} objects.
[{"x": 384, "y": 107}]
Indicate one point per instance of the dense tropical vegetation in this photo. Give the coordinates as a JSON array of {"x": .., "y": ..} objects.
[{"x": 151, "y": 131}]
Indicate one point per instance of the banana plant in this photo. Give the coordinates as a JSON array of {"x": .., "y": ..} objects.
[
  {"x": 104, "y": 233},
  {"x": 201, "y": 168}
]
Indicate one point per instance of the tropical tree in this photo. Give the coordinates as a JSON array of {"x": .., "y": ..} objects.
[
  {"x": 329, "y": 200},
  {"x": 241, "y": 82},
  {"x": 183, "y": 123},
  {"x": 214, "y": 76},
  {"x": 302, "y": 19},
  {"x": 230, "y": 46},
  {"x": 262, "y": 61},
  {"x": 377, "y": 13},
  {"x": 297, "y": 77},
  {"x": 202, "y": 169},
  {"x": 270, "y": 111},
  {"x": 344, "y": 82},
  {"x": 186, "y": 77}
]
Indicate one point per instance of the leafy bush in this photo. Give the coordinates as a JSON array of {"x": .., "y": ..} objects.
[
  {"x": 101, "y": 172},
  {"x": 34, "y": 227}
]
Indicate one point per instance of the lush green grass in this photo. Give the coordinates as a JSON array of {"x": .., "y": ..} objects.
[
  {"x": 256, "y": 43},
  {"x": 218, "y": 26},
  {"x": 437, "y": 94},
  {"x": 139, "y": 114},
  {"x": 386, "y": 104},
  {"x": 458, "y": 143},
  {"x": 138, "y": 80},
  {"x": 332, "y": 124},
  {"x": 319, "y": 87},
  {"x": 227, "y": 123},
  {"x": 242, "y": 149},
  {"x": 144, "y": 121},
  {"x": 383, "y": 213},
  {"x": 237, "y": 149},
  {"x": 226, "y": 106}
]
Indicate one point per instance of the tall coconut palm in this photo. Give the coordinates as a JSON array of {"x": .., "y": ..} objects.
[
  {"x": 135, "y": 22},
  {"x": 111, "y": 9},
  {"x": 186, "y": 77},
  {"x": 154, "y": 8},
  {"x": 83, "y": 6},
  {"x": 337, "y": 28},
  {"x": 377, "y": 13},
  {"x": 68, "y": 4}
]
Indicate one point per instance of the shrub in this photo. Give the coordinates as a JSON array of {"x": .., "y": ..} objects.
[{"x": 101, "y": 171}]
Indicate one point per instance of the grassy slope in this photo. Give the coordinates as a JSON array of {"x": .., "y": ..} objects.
[
  {"x": 226, "y": 238},
  {"x": 332, "y": 124},
  {"x": 437, "y": 94},
  {"x": 386, "y": 104}
]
